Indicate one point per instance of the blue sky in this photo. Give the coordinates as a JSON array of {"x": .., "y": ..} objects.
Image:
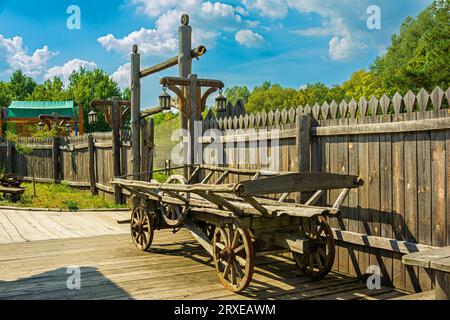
[{"x": 291, "y": 42}]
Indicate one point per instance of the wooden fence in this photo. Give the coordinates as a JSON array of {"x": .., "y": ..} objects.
[
  {"x": 81, "y": 161},
  {"x": 399, "y": 146}
]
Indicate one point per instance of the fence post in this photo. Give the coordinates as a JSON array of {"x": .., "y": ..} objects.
[
  {"x": 115, "y": 110},
  {"x": 92, "y": 164},
  {"x": 135, "y": 112},
  {"x": 303, "y": 141},
  {"x": 9, "y": 156},
  {"x": 144, "y": 150},
  {"x": 151, "y": 148},
  {"x": 56, "y": 159}
]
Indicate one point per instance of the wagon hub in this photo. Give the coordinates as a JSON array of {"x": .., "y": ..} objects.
[{"x": 227, "y": 254}]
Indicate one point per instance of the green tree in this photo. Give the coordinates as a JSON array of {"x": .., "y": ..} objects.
[
  {"x": 50, "y": 90},
  {"x": 85, "y": 86},
  {"x": 5, "y": 94},
  {"x": 362, "y": 83},
  {"x": 236, "y": 93},
  {"x": 419, "y": 55},
  {"x": 20, "y": 86}
]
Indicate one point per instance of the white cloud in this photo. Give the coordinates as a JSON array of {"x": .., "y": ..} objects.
[
  {"x": 122, "y": 75},
  {"x": 335, "y": 16},
  {"x": 209, "y": 19},
  {"x": 17, "y": 56},
  {"x": 249, "y": 38},
  {"x": 268, "y": 8},
  {"x": 149, "y": 41},
  {"x": 66, "y": 70}
]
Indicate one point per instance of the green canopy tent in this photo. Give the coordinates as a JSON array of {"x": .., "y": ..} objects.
[{"x": 21, "y": 114}]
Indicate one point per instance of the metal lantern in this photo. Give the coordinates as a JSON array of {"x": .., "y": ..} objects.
[
  {"x": 68, "y": 128},
  {"x": 41, "y": 126},
  {"x": 221, "y": 102},
  {"x": 164, "y": 100},
  {"x": 92, "y": 116}
]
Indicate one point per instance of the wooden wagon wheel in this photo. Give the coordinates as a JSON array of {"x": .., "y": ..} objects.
[
  {"x": 173, "y": 214},
  {"x": 318, "y": 262},
  {"x": 233, "y": 255},
  {"x": 142, "y": 227}
]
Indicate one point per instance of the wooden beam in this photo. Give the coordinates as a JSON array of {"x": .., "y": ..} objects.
[
  {"x": 198, "y": 235},
  {"x": 379, "y": 242},
  {"x": 297, "y": 182},
  {"x": 179, "y": 81},
  {"x": 195, "y": 53},
  {"x": 314, "y": 198},
  {"x": 291, "y": 241},
  {"x": 385, "y": 127}
]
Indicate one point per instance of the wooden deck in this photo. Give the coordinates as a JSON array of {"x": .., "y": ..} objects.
[
  {"x": 24, "y": 225},
  {"x": 176, "y": 268}
]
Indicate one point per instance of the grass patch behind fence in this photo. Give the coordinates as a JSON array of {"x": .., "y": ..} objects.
[{"x": 59, "y": 196}]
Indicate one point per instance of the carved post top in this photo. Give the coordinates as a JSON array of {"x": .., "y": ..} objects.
[
  {"x": 185, "y": 20},
  {"x": 135, "y": 48}
]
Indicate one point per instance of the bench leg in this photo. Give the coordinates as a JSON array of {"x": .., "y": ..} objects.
[{"x": 442, "y": 285}]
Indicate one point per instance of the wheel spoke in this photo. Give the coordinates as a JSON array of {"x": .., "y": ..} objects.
[
  {"x": 317, "y": 258},
  {"x": 238, "y": 249},
  {"x": 239, "y": 272},
  {"x": 241, "y": 261},
  {"x": 226, "y": 271},
  {"x": 224, "y": 236},
  {"x": 322, "y": 253},
  {"x": 233, "y": 274}
]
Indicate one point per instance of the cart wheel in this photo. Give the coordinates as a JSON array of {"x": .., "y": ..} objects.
[
  {"x": 319, "y": 260},
  {"x": 142, "y": 227},
  {"x": 173, "y": 214},
  {"x": 233, "y": 255}
]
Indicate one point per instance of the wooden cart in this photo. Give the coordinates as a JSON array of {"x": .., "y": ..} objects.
[{"x": 236, "y": 221}]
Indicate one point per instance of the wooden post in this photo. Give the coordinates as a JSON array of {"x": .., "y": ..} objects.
[
  {"x": 303, "y": 142},
  {"x": 192, "y": 119},
  {"x": 135, "y": 112},
  {"x": 115, "y": 115},
  {"x": 9, "y": 157},
  {"x": 185, "y": 69},
  {"x": 80, "y": 120},
  {"x": 56, "y": 160},
  {"x": 144, "y": 149},
  {"x": 92, "y": 164},
  {"x": 152, "y": 147}
]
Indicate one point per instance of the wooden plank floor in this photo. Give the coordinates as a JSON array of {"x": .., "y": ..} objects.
[
  {"x": 23, "y": 225},
  {"x": 176, "y": 268}
]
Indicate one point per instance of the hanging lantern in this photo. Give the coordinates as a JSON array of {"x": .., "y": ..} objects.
[
  {"x": 221, "y": 102},
  {"x": 41, "y": 126},
  {"x": 68, "y": 128},
  {"x": 164, "y": 100},
  {"x": 92, "y": 116}
]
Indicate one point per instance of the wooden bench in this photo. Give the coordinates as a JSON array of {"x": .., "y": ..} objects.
[
  {"x": 437, "y": 260},
  {"x": 13, "y": 192}
]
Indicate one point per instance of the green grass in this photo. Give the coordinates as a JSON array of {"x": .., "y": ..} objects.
[{"x": 59, "y": 196}]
